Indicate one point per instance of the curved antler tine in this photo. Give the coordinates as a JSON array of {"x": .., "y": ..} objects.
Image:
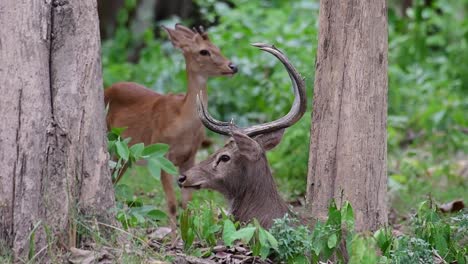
[
  {"x": 299, "y": 105},
  {"x": 211, "y": 123},
  {"x": 297, "y": 110}
]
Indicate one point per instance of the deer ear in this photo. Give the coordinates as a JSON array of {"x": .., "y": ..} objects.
[
  {"x": 270, "y": 140},
  {"x": 178, "y": 37},
  {"x": 248, "y": 147}
]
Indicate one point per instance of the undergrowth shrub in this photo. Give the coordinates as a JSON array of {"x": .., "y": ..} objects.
[{"x": 290, "y": 241}]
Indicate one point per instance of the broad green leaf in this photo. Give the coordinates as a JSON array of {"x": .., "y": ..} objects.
[
  {"x": 332, "y": 240},
  {"x": 122, "y": 150},
  {"x": 165, "y": 164},
  {"x": 137, "y": 149},
  {"x": 139, "y": 217},
  {"x": 245, "y": 234},
  {"x": 347, "y": 215},
  {"x": 155, "y": 150},
  {"x": 118, "y": 130},
  {"x": 334, "y": 215},
  {"x": 154, "y": 168},
  {"x": 228, "y": 232},
  {"x": 272, "y": 240},
  {"x": 157, "y": 215}
]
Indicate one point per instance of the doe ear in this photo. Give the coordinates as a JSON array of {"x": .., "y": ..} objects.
[
  {"x": 270, "y": 140},
  {"x": 248, "y": 147},
  {"x": 179, "y": 38}
]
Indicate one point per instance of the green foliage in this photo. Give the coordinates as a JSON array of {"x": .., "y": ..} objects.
[
  {"x": 431, "y": 227},
  {"x": 363, "y": 250},
  {"x": 326, "y": 237},
  {"x": 293, "y": 239},
  {"x": 426, "y": 75},
  {"x": 128, "y": 156},
  {"x": 202, "y": 223},
  {"x": 130, "y": 210},
  {"x": 411, "y": 250}
]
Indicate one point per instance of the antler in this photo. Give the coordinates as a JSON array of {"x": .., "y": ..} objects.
[{"x": 297, "y": 110}]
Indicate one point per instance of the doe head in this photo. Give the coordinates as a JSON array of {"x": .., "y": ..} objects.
[{"x": 201, "y": 55}]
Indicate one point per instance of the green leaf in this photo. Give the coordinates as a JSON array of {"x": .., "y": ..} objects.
[
  {"x": 32, "y": 241},
  {"x": 272, "y": 240},
  {"x": 332, "y": 240},
  {"x": 118, "y": 130},
  {"x": 347, "y": 215},
  {"x": 245, "y": 234},
  {"x": 158, "y": 150},
  {"x": 154, "y": 168},
  {"x": 157, "y": 215},
  {"x": 165, "y": 164},
  {"x": 186, "y": 231},
  {"x": 137, "y": 149},
  {"x": 228, "y": 232},
  {"x": 122, "y": 150},
  {"x": 140, "y": 219},
  {"x": 334, "y": 215}
]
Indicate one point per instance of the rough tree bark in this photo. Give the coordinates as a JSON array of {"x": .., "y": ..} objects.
[
  {"x": 347, "y": 158},
  {"x": 53, "y": 157}
]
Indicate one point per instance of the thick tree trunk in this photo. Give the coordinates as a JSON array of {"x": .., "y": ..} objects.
[
  {"x": 347, "y": 158},
  {"x": 53, "y": 157}
]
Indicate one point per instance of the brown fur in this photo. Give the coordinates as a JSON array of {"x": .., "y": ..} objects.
[{"x": 172, "y": 119}]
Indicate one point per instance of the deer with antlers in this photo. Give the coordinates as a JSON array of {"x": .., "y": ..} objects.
[
  {"x": 240, "y": 169},
  {"x": 151, "y": 117}
]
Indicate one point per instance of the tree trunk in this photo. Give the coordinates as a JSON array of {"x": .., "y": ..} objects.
[
  {"x": 53, "y": 158},
  {"x": 348, "y": 157}
]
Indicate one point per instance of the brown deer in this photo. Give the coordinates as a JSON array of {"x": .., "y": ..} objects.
[
  {"x": 240, "y": 169},
  {"x": 151, "y": 117}
]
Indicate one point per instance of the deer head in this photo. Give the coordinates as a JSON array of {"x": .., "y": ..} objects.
[
  {"x": 240, "y": 169},
  {"x": 201, "y": 56}
]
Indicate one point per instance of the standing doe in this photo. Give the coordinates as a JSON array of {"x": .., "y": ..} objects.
[
  {"x": 172, "y": 119},
  {"x": 240, "y": 169}
]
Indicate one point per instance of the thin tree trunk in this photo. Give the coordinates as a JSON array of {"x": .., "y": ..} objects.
[
  {"x": 347, "y": 158},
  {"x": 53, "y": 158}
]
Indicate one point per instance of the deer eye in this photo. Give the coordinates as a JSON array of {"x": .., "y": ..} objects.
[
  {"x": 224, "y": 158},
  {"x": 204, "y": 52}
]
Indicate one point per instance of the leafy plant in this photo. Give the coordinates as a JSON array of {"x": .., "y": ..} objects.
[
  {"x": 203, "y": 223},
  {"x": 128, "y": 156},
  {"x": 131, "y": 212},
  {"x": 293, "y": 239},
  {"x": 437, "y": 232},
  {"x": 411, "y": 250}
]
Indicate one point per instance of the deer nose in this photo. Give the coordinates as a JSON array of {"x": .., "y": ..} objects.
[
  {"x": 181, "y": 179},
  {"x": 233, "y": 67}
]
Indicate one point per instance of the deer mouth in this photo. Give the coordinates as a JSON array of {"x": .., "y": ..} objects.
[
  {"x": 231, "y": 73},
  {"x": 196, "y": 186}
]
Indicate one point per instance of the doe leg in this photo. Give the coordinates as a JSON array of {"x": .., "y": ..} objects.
[{"x": 168, "y": 188}]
